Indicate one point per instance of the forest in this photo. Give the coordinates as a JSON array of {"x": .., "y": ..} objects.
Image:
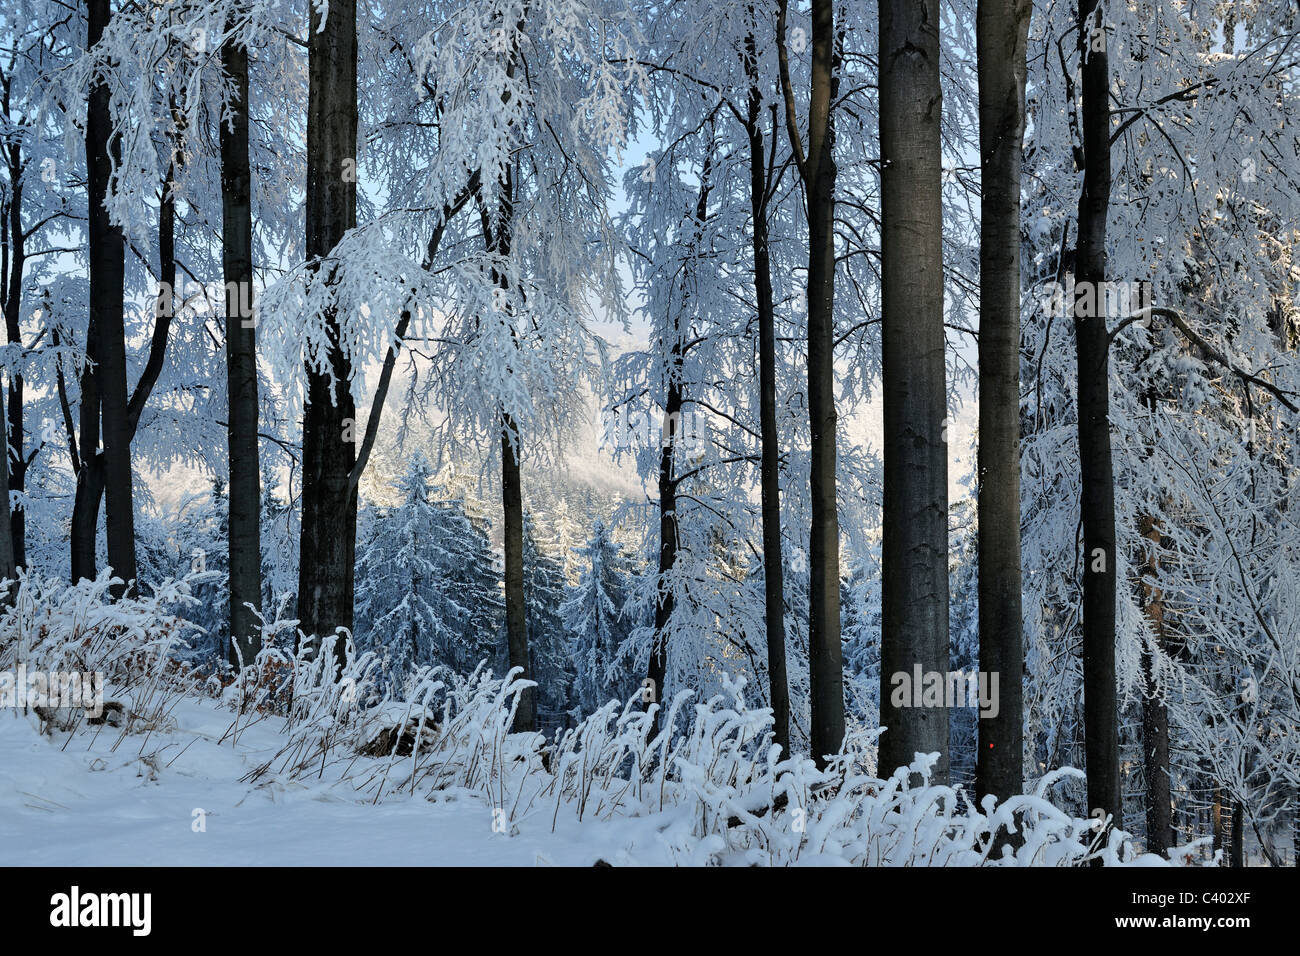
[{"x": 691, "y": 432}]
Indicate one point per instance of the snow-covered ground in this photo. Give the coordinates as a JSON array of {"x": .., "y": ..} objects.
[
  {"x": 182, "y": 804},
  {"x": 295, "y": 763}
]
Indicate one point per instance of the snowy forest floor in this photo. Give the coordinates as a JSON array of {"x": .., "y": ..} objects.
[
  {"x": 176, "y": 799},
  {"x": 295, "y": 761}
]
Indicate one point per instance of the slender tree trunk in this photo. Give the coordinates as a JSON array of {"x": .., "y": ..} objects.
[
  {"x": 1155, "y": 715},
  {"x": 329, "y": 501},
  {"x": 665, "y": 600},
  {"x": 90, "y": 483},
  {"x": 1219, "y": 827},
  {"x": 164, "y": 312},
  {"x": 769, "y": 468},
  {"x": 1001, "y": 34},
  {"x": 107, "y": 296},
  {"x": 8, "y": 571},
  {"x": 512, "y": 506},
  {"x": 1100, "y": 706},
  {"x": 669, "y": 542},
  {"x": 241, "y": 365},
  {"x": 825, "y": 653},
  {"x": 16, "y": 244},
  {"x": 499, "y": 238},
  {"x": 914, "y": 629},
  {"x": 1238, "y": 834},
  {"x": 89, "y": 465}
]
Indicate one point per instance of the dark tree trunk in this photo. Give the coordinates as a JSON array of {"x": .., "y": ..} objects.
[
  {"x": 88, "y": 463},
  {"x": 7, "y": 568},
  {"x": 825, "y": 654},
  {"x": 770, "y": 475},
  {"x": 1001, "y": 34},
  {"x": 914, "y": 629},
  {"x": 241, "y": 365},
  {"x": 164, "y": 313},
  {"x": 107, "y": 338},
  {"x": 1238, "y": 834},
  {"x": 665, "y": 600},
  {"x": 512, "y": 506},
  {"x": 1155, "y": 715},
  {"x": 329, "y": 501},
  {"x": 16, "y": 247},
  {"x": 90, "y": 488},
  {"x": 674, "y": 399},
  {"x": 499, "y": 240},
  {"x": 1100, "y": 707},
  {"x": 818, "y": 173}
]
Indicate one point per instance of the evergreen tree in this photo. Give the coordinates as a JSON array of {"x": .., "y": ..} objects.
[
  {"x": 398, "y": 576},
  {"x": 594, "y": 615},
  {"x": 550, "y": 663},
  {"x": 427, "y": 589}
]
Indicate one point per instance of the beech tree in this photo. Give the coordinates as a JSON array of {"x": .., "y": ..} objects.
[
  {"x": 914, "y": 623},
  {"x": 245, "y": 545},
  {"x": 1001, "y": 37}
]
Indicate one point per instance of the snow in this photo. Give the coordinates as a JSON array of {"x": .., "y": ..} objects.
[{"x": 87, "y": 804}]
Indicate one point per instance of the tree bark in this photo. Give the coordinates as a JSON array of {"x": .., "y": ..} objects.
[
  {"x": 1100, "y": 706},
  {"x": 914, "y": 629},
  {"x": 8, "y": 570},
  {"x": 329, "y": 501},
  {"x": 825, "y": 653},
  {"x": 665, "y": 600},
  {"x": 818, "y": 172},
  {"x": 245, "y": 491},
  {"x": 106, "y": 338},
  {"x": 769, "y": 467},
  {"x": 669, "y": 540},
  {"x": 1238, "y": 834},
  {"x": 1155, "y": 715},
  {"x": 16, "y": 246},
  {"x": 512, "y": 506},
  {"x": 1002, "y": 30}
]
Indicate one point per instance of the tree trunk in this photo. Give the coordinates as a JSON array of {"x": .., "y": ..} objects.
[
  {"x": 914, "y": 629},
  {"x": 241, "y": 365},
  {"x": 17, "y": 248},
  {"x": 107, "y": 296},
  {"x": 1218, "y": 827},
  {"x": 665, "y": 600},
  {"x": 7, "y": 568},
  {"x": 1100, "y": 707},
  {"x": 770, "y": 476},
  {"x": 90, "y": 484},
  {"x": 825, "y": 654},
  {"x": 1001, "y": 35},
  {"x": 1238, "y": 835},
  {"x": 512, "y": 506},
  {"x": 674, "y": 399},
  {"x": 499, "y": 238},
  {"x": 329, "y": 501},
  {"x": 1155, "y": 715}
]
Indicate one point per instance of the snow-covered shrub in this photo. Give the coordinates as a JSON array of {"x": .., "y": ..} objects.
[
  {"x": 721, "y": 791},
  {"x": 52, "y": 626},
  {"x": 325, "y": 705}
]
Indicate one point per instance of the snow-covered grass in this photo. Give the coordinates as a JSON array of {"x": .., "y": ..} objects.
[{"x": 295, "y": 763}]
